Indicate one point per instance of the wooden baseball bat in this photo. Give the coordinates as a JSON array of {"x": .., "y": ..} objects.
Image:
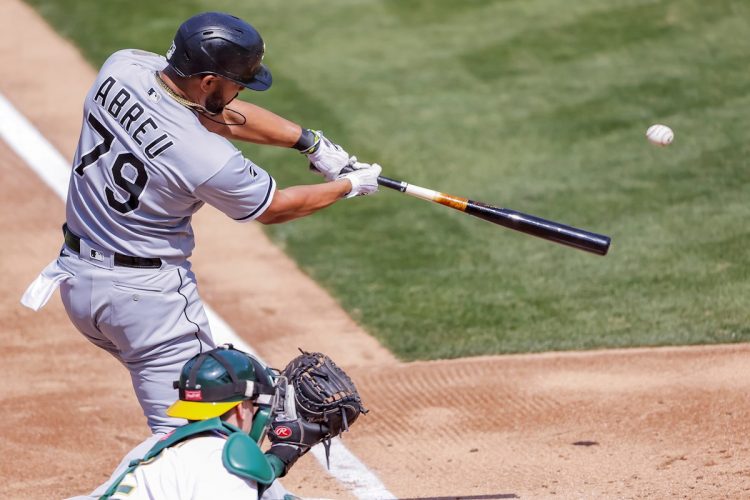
[{"x": 519, "y": 221}]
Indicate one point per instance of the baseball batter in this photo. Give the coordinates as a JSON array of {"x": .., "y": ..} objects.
[{"x": 153, "y": 150}]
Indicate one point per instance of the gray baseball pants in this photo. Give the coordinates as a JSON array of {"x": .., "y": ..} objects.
[{"x": 151, "y": 320}]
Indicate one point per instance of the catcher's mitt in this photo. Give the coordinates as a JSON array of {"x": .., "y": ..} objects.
[
  {"x": 323, "y": 392},
  {"x": 320, "y": 402}
]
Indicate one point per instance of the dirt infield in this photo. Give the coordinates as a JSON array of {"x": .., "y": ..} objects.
[{"x": 660, "y": 423}]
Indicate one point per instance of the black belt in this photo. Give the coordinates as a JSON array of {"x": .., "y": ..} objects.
[{"x": 74, "y": 243}]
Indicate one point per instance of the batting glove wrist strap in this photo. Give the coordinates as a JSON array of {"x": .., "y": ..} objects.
[
  {"x": 308, "y": 142},
  {"x": 326, "y": 158}
]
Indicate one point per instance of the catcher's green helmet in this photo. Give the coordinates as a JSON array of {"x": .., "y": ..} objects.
[{"x": 216, "y": 381}]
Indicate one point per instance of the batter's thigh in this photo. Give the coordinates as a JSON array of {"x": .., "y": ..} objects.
[{"x": 153, "y": 321}]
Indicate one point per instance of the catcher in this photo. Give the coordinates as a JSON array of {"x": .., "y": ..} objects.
[{"x": 232, "y": 401}]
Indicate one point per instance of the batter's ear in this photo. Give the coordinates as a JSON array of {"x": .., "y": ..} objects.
[{"x": 208, "y": 82}]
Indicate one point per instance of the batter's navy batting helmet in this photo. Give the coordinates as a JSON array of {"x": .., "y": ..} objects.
[
  {"x": 216, "y": 381},
  {"x": 214, "y": 43}
]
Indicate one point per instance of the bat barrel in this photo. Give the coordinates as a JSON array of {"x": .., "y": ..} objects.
[
  {"x": 530, "y": 224},
  {"x": 542, "y": 228}
]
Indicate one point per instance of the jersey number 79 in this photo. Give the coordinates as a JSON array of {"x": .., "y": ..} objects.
[{"x": 133, "y": 187}]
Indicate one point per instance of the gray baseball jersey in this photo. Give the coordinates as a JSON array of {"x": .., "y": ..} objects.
[{"x": 145, "y": 165}]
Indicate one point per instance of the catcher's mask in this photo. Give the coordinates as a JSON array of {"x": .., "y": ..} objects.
[
  {"x": 216, "y": 381},
  {"x": 214, "y": 43}
]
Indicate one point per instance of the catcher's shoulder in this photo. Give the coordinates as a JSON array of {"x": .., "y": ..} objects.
[{"x": 243, "y": 457}]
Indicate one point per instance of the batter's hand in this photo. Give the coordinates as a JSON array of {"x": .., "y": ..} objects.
[
  {"x": 364, "y": 178},
  {"x": 326, "y": 157}
]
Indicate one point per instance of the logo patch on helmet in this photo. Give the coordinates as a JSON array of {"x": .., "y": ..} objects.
[
  {"x": 283, "y": 432},
  {"x": 193, "y": 395},
  {"x": 171, "y": 50}
]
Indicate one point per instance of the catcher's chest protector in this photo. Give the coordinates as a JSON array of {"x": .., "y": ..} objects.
[{"x": 241, "y": 455}]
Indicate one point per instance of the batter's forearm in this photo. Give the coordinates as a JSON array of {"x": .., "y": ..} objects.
[
  {"x": 298, "y": 201},
  {"x": 258, "y": 126}
]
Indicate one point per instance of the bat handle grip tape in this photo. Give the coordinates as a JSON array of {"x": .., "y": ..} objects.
[{"x": 392, "y": 183}]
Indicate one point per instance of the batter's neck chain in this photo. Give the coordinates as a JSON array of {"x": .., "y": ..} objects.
[{"x": 195, "y": 106}]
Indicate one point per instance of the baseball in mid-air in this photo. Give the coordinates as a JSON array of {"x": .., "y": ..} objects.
[{"x": 659, "y": 134}]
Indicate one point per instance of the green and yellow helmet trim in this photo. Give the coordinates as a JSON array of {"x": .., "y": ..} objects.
[
  {"x": 193, "y": 410},
  {"x": 216, "y": 381}
]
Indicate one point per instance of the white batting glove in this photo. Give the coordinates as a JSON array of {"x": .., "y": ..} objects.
[
  {"x": 326, "y": 157},
  {"x": 364, "y": 178}
]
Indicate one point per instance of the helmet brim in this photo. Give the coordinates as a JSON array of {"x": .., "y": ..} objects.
[
  {"x": 261, "y": 80},
  {"x": 194, "y": 410}
]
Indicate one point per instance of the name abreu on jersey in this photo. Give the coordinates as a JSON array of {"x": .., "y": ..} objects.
[{"x": 127, "y": 111}]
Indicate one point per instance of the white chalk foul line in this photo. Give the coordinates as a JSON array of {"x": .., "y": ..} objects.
[
  {"x": 30, "y": 145},
  {"x": 33, "y": 148},
  {"x": 350, "y": 471}
]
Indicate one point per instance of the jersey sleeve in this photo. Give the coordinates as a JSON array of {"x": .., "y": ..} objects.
[{"x": 240, "y": 189}]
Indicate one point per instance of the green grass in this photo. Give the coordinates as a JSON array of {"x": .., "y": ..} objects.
[{"x": 536, "y": 105}]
